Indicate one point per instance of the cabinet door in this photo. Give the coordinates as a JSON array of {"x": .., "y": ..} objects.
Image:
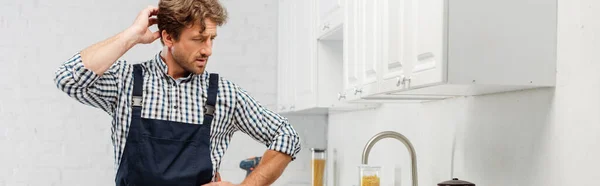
[
  {"x": 398, "y": 31},
  {"x": 363, "y": 48},
  {"x": 430, "y": 62},
  {"x": 304, "y": 61},
  {"x": 284, "y": 93},
  {"x": 352, "y": 53},
  {"x": 281, "y": 56},
  {"x": 370, "y": 45},
  {"x": 330, "y": 15},
  {"x": 327, "y": 7}
]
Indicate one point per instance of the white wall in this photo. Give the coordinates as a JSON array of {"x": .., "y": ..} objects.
[
  {"x": 47, "y": 138},
  {"x": 311, "y": 128},
  {"x": 535, "y": 137}
]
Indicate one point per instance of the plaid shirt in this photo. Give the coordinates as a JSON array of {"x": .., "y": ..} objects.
[{"x": 178, "y": 100}]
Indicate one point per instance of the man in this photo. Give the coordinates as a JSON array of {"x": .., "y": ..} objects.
[{"x": 172, "y": 121}]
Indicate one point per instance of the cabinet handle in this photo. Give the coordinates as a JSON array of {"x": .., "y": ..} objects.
[
  {"x": 357, "y": 91},
  {"x": 399, "y": 81},
  {"x": 403, "y": 81},
  {"x": 341, "y": 96},
  {"x": 282, "y": 107},
  {"x": 326, "y": 26},
  {"x": 292, "y": 107}
]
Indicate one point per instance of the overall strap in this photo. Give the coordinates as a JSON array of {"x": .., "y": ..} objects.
[
  {"x": 213, "y": 89},
  {"x": 138, "y": 83}
]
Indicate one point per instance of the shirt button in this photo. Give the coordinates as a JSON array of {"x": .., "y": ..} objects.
[{"x": 175, "y": 107}]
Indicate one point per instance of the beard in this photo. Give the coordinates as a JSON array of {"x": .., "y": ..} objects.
[{"x": 189, "y": 65}]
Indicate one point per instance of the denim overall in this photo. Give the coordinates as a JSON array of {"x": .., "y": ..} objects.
[{"x": 159, "y": 152}]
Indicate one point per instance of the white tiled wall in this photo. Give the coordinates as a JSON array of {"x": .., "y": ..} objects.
[
  {"x": 47, "y": 138},
  {"x": 538, "y": 137}
]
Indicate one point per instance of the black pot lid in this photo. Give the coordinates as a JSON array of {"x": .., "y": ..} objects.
[
  {"x": 317, "y": 150},
  {"x": 456, "y": 182}
]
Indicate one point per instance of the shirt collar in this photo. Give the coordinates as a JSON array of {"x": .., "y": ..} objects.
[
  {"x": 160, "y": 64},
  {"x": 163, "y": 68}
]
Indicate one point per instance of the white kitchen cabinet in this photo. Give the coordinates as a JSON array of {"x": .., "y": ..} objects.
[
  {"x": 362, "y": 49},
  {"x": 411, "y": 50},
  {"x": 331, "y": 62},
  {"x": 351, "y": 51},
  {"x": 338, "y": 89},
  {"x": 434, "y": 49},
  {"x": 330, "y": 15},
  {"x": 414, "y": 38},
  {"x": 304, "y": 59},
  {"x": 285, "y": 90},
  {"x": 395, "y": 23},
  {"x": 296, "y": 61},
  {"x": 304, "y": 85},
  {"x": 350, "y": 72}
]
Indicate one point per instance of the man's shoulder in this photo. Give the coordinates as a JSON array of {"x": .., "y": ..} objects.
[
  {"x": 146, "y": 65},
  {"x": 122, "y": 63},
  {"x": 225, "y": 82}
]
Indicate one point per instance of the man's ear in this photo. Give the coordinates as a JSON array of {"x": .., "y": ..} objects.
[{"x": 167, "y": 39}]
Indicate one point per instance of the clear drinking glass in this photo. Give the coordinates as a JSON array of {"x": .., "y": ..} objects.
[
  {"x": 369, "y": 175},
  {"x": 318, "y": 166}
]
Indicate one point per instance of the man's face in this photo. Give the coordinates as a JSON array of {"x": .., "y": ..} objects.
[{"x": 193, "y": 48}]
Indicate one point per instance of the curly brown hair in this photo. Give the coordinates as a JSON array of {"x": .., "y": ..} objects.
[{"x": 174, "y": 15}]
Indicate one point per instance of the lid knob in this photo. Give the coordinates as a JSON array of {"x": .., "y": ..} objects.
[{"x": 456, "y": 182}]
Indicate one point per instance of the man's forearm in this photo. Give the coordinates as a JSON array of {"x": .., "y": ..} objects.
[
  {"x": 271, "y": 166},
  {"x": 100, "y": 56}
]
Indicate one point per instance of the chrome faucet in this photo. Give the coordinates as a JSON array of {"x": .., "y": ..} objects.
[{"x": 399, "y": 137}]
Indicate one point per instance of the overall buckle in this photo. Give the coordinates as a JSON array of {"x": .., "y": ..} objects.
[{"x": 210, "y": 110}]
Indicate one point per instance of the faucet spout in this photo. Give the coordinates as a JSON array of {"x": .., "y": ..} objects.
[{"x": 399, "y": 137}]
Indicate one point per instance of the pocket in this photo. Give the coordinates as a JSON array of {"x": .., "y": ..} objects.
[{"x": 167, "y": 161}]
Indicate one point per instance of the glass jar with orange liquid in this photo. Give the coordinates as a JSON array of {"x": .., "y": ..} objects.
[
  {"x": 318, "y": 166},
  {"x": 369, "y": 175}
]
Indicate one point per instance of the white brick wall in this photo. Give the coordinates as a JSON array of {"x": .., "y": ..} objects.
[
  {"x": 47, "y": 138},
  {"x": 538, "y": 137}
]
